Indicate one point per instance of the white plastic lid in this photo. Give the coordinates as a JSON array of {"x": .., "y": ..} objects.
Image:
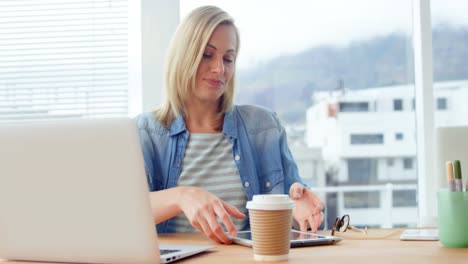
[{"x": 270, "y": 202}]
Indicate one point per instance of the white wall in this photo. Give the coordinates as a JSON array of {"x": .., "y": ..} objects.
[{"x": 148, "y": 46}]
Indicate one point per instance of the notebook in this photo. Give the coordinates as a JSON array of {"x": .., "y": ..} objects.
[{"x": 76, "y": 191}]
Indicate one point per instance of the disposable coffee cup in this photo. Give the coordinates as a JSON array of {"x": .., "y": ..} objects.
[{"x": 270, "y": 223}]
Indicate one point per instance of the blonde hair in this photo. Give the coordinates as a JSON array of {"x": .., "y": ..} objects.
[{"x": 184, "y": 56}]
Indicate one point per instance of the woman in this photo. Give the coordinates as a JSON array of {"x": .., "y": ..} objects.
[{"x": 206, "y": 157}]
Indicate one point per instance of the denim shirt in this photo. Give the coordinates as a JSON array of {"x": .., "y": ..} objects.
[{"x": 259, "y": 149}]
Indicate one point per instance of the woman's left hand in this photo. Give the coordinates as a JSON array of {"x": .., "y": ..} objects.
[{"x": 309, "y": 206}]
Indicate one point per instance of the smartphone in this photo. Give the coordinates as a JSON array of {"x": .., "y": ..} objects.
[
  {"x": 298, "y": 239},
  {"x": 420, "y": 234}
]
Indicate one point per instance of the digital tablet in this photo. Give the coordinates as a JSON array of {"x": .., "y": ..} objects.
[{"x": 298, "y": 239}]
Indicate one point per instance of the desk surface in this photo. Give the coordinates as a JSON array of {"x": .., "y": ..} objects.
[{"x": 381, "y": 246}]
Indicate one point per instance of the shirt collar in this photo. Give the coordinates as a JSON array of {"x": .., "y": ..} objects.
[
  {"x": 177, "y": 126},
  {"x": 229, "y": 125}
]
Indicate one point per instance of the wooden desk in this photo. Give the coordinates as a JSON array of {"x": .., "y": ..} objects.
[
  {"x": 383, "y": 246},
  {"x": 376, "y": 250}
]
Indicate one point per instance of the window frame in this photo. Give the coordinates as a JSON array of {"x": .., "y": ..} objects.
[{"x": 423, "y": 77}]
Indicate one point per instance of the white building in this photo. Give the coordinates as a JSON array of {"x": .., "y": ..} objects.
[{"x": 368, "y": 143}]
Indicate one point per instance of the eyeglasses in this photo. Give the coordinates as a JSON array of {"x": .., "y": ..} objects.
[{"x": 342, "y": 224}]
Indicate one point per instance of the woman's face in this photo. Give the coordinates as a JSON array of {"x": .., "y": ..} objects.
[{"x": 217, "y": 65}]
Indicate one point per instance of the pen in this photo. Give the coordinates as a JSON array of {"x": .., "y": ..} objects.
[
  {"x": 451, "y": 180},
  {"x": 458, "y": 176}
]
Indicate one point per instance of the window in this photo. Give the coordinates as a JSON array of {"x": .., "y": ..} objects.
[
  {"x": 354, "y": 107},
  {"x": 404, "y": 198},
  {"x": 63, "y": 59},
  {"x": 347, "y": 63},
  {"x": 397, "y": 104},
  {"x": 407, "y": 163},
  {"x": 402, "y": 226},
  {"x": 390, "y": 162},
  {"x": 442, "y": 103},
  {"x": 362, "y": 63},
  {"x": 449, "y": 27},
  {"x": 365, "y": 139},
  {"x": 362, "y": 171},
  {"x": 361, "y": 200},
  {"x": 399, "y": 136}
]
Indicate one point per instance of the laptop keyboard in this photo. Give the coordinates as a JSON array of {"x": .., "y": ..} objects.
[{"x": 167, "y": 251}]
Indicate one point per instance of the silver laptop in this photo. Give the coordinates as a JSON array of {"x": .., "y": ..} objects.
[{"x": 76, "y": 191}]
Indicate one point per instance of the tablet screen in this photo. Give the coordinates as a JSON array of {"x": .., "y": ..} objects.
[{"x": 298, "y": 239}]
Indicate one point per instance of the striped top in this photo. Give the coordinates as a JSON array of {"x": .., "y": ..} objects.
[{"x": 209, "y": 164}]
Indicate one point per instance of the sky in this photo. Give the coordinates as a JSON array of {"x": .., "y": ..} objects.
[{"x": 271, "y": 28}]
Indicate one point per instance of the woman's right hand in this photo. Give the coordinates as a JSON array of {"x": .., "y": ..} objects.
[{"x": 202, "y": 210}]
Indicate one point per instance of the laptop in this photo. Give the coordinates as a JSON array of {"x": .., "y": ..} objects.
[{"x": 76, "y": 191}]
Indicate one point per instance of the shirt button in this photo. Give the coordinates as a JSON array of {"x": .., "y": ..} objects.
[
  {"x": 237, "y": 157},
  {"x": 267, "y": 184},
  {"x": 246, "y": 184}
]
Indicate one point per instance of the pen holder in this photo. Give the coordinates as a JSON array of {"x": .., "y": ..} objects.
[{"x": 453, "y": 218}]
